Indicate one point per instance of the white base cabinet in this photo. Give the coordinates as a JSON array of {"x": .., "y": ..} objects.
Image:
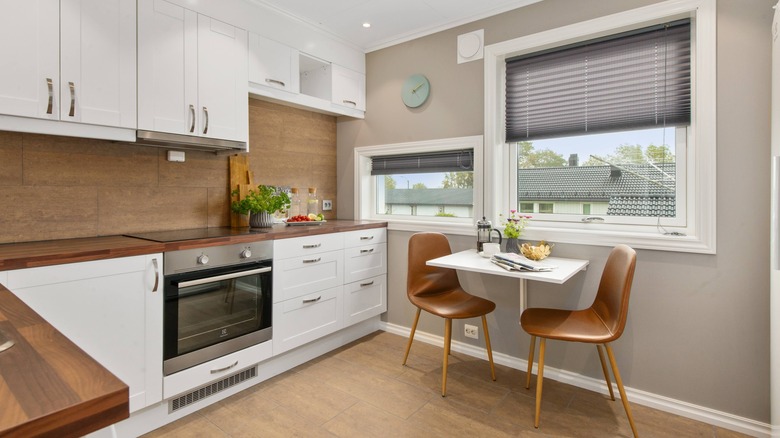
[
  {"x": 112, "y": 309},
  {"x": 327, "y": 282}
]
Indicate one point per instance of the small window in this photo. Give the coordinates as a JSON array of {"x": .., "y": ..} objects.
[
  {"x": 545, "y": 207},
  {"x": 585, "y": 208},
  {"x": 526, "y": 207}
]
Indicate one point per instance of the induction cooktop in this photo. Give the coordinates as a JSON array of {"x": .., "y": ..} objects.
[{"x": 194, "y": 234}]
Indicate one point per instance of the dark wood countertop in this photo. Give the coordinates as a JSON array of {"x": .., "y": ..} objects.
[
  {"x": 54, "y": 252},
  {"x": 48, "y": 385}
]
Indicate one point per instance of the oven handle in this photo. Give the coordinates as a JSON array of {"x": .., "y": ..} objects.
[{"x": 223, "y": 277}]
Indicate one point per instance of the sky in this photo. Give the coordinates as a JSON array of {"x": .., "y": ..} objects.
[{"x": 584, "y": 146}]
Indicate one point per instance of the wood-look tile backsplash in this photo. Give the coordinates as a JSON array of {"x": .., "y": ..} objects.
[{"x": 60, "y": 187}]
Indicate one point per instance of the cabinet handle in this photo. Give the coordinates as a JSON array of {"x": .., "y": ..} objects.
[
  {"x": 363, "y": 251},
  {"x": 50, "y": 84},
  {"x": 366, "y": 237},
  {"x": 156, "y": 275},
  {"x": 313, "y": 300},
  {"x": 275, "y": 81},
  {"x": 313, "y": 260},
  {"x": 219, "y": 370},
  {"x": 316, "y": 245},
  {"x": 206, "y": 127},
  {"x": 366, "y": 284},
  {"x": 349, "y": 101},
  {"x": 192, "y": 112},
  {"x": 72, "y": 87}
]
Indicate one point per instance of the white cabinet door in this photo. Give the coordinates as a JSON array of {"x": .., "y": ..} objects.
[
  {"x": 307, "y": 318},
  {"x": 364, "y": 299},
  {"x": 349, "y": 88},
  {"x": 167, "y": 67},
  {"x": 222, "y": 80},
  {"x": 97, "y": 62},
  {"x": 273, "y": 64},
  {"x": 30, "y": 52},
  {"x": 110, "y": 309}
]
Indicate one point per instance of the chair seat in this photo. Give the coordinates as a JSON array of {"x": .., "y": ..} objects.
[
  {"x": 454, "y": 304},
  {"x": 567, "y": 325}
]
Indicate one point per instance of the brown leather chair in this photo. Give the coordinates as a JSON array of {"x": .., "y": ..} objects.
[
  {"x": 437, "y": 291},
  {"x": 600, "y": 324}
]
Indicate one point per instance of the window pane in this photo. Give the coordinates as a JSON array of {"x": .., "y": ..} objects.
[
  {"x": 439, "y": 194},
  {"x": 526, "y": 207},
  {"x": 626, "y": 174}
]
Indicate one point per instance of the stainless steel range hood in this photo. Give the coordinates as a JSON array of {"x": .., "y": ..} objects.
[{"x": 178, "y": 141}]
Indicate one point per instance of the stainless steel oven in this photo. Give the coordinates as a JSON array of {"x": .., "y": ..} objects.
[{"x": 217, "y": 300}]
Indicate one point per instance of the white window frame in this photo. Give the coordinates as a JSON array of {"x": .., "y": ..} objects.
[
  {"x": 365, "y": 185},
  {"x": 698, "y": 234}
]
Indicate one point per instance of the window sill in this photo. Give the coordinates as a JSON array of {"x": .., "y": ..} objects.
[{"x": 635, "y": 239}]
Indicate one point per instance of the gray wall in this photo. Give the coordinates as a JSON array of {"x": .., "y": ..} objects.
[{"x": 698, "y": 328}]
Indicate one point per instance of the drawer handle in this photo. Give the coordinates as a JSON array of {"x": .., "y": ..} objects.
[
  {"x": 363, "y": 251},
  {"x": 313, "y": 300},
  {"x": 366, "y": 237},
  {"x": 219, "y": 370},
  {"x": 366, "y": 284},
  {"x": 351, "y": 102},
  {"x": 275, "y": 81},
  {"x": 316, "y": 245},
  {"x": 313, "y": 260}
]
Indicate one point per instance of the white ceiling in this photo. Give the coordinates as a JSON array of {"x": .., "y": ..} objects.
[{"x": 392, "y": 21}]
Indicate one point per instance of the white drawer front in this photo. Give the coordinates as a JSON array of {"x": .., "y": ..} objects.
[
  {"x": 216, "y": 369},
  {"x": 364, "y": 299},
  {"x": 307, "y": 318},
  {"x": 307, "y": 274},
  {"x": 365, "y": 262},
  {"x": 370, "y": 236},
  {"x": 299, "y": 246}
]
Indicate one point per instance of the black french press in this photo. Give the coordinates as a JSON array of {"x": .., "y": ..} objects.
[{"x": 484, "y": 233}]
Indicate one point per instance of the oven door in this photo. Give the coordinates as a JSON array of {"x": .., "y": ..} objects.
[{"x": 210, "y": 313}]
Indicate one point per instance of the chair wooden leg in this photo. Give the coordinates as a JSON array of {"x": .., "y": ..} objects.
[
  {"x": 530, "y": 362},
  {"x": 447, "y": 340},
  {"x": 489, "y": 348},
  {"x": 606, "y": 373},
  {"x": 539, "y": 379},
  {"x": 619, "y": 381},
  {"x": 411, "y": 335}
]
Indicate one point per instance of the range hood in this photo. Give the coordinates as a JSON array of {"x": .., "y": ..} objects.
[{"x": 178, "y": 141}]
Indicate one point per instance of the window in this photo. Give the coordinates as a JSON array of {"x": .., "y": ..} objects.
[
  {"x": 414, "y": 184},
  {"x": 526, "y": 207},
  {"x": 644, "y": 165}
]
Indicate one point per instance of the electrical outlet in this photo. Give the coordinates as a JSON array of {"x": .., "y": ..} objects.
[
  {"x": 471, "y": 331},
  {"x": 327, "y": 205}
]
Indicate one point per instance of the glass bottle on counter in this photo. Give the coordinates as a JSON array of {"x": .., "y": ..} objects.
[
  {"x": 312, "y": 203},
  {"x": 295, "y": 202}
]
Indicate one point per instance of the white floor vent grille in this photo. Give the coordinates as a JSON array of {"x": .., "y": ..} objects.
[{"x": 209, "y": 390}]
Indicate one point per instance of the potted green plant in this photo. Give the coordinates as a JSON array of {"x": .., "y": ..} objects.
[{"x": 261, "y": 204}]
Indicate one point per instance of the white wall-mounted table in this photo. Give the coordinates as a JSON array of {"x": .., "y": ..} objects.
[{"x": 469, "y": 260}]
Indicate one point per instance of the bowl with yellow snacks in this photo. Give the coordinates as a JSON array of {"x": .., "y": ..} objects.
[{"x": 536, "y": 252}]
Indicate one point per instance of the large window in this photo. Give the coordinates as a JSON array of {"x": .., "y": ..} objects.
[
  {"x": 420, "y": 184},
  {"x": 605, "y": 129}
]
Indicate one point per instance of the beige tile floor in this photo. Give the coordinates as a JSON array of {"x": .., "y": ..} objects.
[{"x": 362, "y": 390}]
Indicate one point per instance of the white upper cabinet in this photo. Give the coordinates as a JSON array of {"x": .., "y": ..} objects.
[
  {"x": 192, "y": 73},
  {"x": 30, "y": 50},
  {"x": 97, "y": 62},
  {"x": 349, "y": 88},
  {"x": 73, "y": 60},
  {"x": 273, "y": 64}
]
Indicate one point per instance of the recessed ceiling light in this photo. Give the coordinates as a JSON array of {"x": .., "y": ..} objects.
[{"x": 366, "y": 25}]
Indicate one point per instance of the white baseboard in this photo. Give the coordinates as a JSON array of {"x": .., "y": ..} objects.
[{"x": 655, "y": 401}]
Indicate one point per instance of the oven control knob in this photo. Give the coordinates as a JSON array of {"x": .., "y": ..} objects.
[
  {"x": 245, "y": 254},
  {"x": 203, "y": 259}
]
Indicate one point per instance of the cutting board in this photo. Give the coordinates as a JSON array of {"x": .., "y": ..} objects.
[{"x": 241, "y": 179}]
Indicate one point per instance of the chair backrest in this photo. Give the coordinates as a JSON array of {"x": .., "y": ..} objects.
[
  {"x": 611, "y": 303},
  {"x": 425, "y": 280}
]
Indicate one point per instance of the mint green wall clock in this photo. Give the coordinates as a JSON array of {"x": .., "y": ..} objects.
[{"x": 415, "y": 90}]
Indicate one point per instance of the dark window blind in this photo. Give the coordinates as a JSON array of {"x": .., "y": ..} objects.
[
  {"x": 449, "y": 161},
  {"x": 633, "y": 80}
]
